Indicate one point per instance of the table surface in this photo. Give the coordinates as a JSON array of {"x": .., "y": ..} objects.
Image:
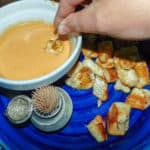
[{"x": 75, "y": 134}]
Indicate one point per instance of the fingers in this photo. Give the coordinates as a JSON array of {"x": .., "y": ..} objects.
[
  {"x": 106, "y": 17},
  {"x": 65, "y": 8},
  {"x": 82, "y": 21}
]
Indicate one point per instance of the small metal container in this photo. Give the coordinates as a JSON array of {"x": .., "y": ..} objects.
[{"x": 19, "y": 110}]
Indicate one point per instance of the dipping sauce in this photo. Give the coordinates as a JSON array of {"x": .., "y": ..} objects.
[{"x": 22, "y": 51}]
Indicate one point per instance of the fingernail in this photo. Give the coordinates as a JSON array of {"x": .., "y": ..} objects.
[{"x": 63, "y": 29}]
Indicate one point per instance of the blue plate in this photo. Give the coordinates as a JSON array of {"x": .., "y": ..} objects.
[{"x": 75, "y": 135}]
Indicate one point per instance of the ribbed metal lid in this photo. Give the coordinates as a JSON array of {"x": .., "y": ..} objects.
[
  {"x": 19, "y": 109},
  {"x": 57, "y": 122}
]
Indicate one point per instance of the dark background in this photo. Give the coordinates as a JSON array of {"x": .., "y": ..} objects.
[{"x": 3, "y": 2}]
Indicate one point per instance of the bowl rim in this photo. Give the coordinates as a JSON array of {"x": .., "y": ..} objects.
[{"x": 56, "y": 71}]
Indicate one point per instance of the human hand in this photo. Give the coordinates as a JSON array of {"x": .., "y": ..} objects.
[{"x": 128, "y": 19}]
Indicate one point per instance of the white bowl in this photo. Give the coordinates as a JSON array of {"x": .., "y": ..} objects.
[{"x": 35, "y": 10}]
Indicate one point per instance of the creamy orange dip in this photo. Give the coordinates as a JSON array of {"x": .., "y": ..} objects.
[{"x": 22, "y": 53}]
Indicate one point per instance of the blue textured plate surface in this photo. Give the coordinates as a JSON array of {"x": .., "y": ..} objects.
[{"x": 75, "y": 135}]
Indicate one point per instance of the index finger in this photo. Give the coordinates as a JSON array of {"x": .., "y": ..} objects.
[{"x": 66, "y": 7}]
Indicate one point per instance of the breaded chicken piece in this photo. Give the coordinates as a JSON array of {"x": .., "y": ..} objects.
[
  {"x": 142, "y": 72},
  {"x": 123, "y": 63},
  {"x": 108, "y": 63},
  {"x": 97, "y": 129},
  {"x": 89, "y": 53},
  {"x": 106, "y": 47},
  {"x": 89, "y": 46},
  {"x": 139, "y": 98},
  {"x": 83, "y": 79},
  {"x": 121, "y": 87},
  {"x": 110, "y": 75},
  {"x": 118, "y": 118},
  {"x": 127, "y": 77},
  {"x": 75, "y": 69},
  {"x": 100, "y": 88},
  {"x": 103, "y": 57},
  {"x": 97, "y": 70}
]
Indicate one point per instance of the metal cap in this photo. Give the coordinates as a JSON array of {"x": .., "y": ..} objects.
[{"x": 19, "y": 109}]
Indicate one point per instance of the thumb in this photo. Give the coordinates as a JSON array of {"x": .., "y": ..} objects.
[{"x": 83, "y": 21}]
